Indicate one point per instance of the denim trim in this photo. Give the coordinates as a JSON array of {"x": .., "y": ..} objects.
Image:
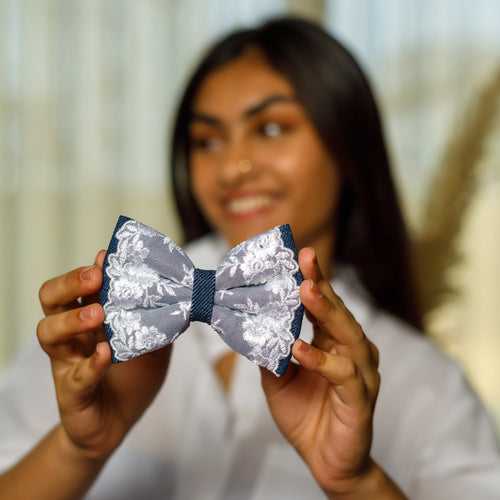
[
  {"x": 104, "y": 292},
  {"x": 287, "y": 237},
  {"x": 202, "y": 301}
]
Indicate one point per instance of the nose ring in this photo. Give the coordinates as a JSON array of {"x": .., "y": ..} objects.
[{"x": 244, "y": 166}]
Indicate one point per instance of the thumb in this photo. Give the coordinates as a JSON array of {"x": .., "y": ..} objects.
[
  {"x": 99, "y": 259},
  {"x": 271, "y": 384}
]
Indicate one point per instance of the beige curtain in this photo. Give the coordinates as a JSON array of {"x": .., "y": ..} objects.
[{"x": 87, "y": 93}]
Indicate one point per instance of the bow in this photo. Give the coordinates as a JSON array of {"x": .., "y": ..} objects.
[{"x": 152, "y": 291}]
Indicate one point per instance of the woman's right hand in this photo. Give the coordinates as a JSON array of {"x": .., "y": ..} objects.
[{"x": 98, "y": 402}]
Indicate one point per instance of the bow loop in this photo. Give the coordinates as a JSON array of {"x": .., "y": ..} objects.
[
  {"x": 152, "y": 291},
  {"x": 257, "y": 260}
]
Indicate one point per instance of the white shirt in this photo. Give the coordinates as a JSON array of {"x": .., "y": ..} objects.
[{"x": 431, "y": 433}]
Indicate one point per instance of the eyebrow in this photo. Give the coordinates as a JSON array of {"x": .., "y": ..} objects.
[{"x": 247, "y": 113}]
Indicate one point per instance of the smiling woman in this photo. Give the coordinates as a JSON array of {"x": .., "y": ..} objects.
[
  {"x": 300, "y": 111},
  {"x": 279, "y": 125}
]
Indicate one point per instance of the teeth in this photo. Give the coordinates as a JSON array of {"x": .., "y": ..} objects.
[{"x": 248, "y": 204}]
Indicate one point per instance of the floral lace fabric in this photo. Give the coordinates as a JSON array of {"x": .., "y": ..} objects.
[
  {"x": 256, "y": 279},
  {"x": 148, "y": 288}
]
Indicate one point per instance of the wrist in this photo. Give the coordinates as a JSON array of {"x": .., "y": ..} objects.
[
  {"x": 372, "y": 483},
  {"x": 69, "y": 451}
]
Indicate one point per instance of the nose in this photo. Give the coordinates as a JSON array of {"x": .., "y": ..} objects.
[{"x": 235, "y": 165}]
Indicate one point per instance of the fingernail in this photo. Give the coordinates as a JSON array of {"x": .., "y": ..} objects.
[
  {"x": 310, "y": 284},
  {"x": 86, "y": 273},
  {"x": 304, "y": 346},
  {"x": 87, "y": 312},
  {"x": 100, "y": 348}
]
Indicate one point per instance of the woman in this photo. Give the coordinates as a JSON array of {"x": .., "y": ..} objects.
[{"x": 277, "y": 124}]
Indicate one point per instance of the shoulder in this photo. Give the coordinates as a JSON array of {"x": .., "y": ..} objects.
[
  {"x": 414, "y": 368},
  {"x": 407, "y": 349},
  {"x": 404, "y": 351},
  {"x": 426, "y": 400},
  {"x": 430, "y": 425}
]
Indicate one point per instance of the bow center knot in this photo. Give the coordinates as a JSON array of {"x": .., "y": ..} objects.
[{"x": 203, "y": 295}]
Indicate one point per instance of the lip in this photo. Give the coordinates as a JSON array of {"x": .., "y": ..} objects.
[
  {"x": 253, "y": 213},
  {"x": 233, "y": 195}
]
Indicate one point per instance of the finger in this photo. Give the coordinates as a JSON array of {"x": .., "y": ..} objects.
[
  {"x": 330, "y": 316},
  {"x": 100, "y": 335},
  {"x": 343, "y": 326},
  {"x": 88, "y": 372},
  {"x": 372, "y": 375},
  {"x": 62, "y": 291},
  {"x": 271, "y": 384},
  {"x": 88, "y": 299},
  {"x": 308, "y": 264},
  {"x": 101, "y": 254},
  {"x": 322, "y": 340},
  {"x": 99, "y": 262},
  {"x": 340, "y": 371},
  {"x": 374, "y": 353},
  {"x": 310, "y": 269},
  {"x": 60, "y": 334},
  {"x": 347, "y": 336}
]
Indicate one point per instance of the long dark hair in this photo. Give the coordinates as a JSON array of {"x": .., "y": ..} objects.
[{"x": 370, "y": 232}]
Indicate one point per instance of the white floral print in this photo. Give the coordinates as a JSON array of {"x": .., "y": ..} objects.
[
  {"x": 263, "y": 320},
  {"x": 267, "y": 329},
  {"x": 270, "y": 337},
  {"x": 134, "y": 285}
]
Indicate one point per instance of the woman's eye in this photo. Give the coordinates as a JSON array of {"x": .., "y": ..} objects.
[
  {"x": 271, "y": 129},
  {"x": 205, "y": 143}
]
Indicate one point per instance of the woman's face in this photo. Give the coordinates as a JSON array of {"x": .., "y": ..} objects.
[{"x": 256, "y": 160}]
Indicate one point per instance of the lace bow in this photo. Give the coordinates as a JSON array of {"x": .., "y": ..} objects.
[{"x": 152, "y": 291}]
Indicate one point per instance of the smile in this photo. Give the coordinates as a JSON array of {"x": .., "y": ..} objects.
[{"x": 249, "y": 205}]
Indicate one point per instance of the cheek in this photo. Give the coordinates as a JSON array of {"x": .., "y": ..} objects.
[
  {"x": 196, "y": 179},
  {"x": 202, "y": 186},
  {"x": 317, "y": 192},
  {"x": 312, "y": 178}
]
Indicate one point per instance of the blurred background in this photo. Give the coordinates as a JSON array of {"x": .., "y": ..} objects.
[{"x": 87, "y": 93}]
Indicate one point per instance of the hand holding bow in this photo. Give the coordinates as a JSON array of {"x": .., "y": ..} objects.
[{"x": 324, "y": 407}]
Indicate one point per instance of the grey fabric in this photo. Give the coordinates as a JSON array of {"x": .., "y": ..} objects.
[{"x": 148, "y": 289}]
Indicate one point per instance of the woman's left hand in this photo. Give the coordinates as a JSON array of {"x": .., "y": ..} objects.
[{"x": 324, "y": 407}]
